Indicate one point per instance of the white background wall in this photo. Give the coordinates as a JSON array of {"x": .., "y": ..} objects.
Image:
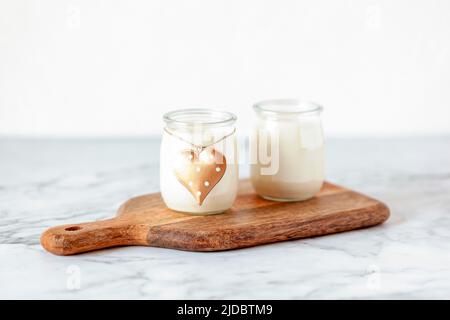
[{"x": 96, "y": 68}]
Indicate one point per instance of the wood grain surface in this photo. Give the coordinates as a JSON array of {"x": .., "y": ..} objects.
[{"x": 252, "y": 221}]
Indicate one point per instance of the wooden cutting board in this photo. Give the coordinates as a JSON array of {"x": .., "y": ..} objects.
[{"x": 252, "y": 221}]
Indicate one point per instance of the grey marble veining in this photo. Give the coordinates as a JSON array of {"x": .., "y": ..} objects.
[{"x": 50, "y": 182}]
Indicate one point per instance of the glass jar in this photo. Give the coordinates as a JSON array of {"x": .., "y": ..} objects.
[
  {"x": 199, "y": 161},
  {"x": 287, "y": 150}
]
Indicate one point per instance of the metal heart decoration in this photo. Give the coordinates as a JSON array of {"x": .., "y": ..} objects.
[{"x": 199, "y": 172}]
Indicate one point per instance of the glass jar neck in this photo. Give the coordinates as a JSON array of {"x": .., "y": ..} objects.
[
  {"x": 286, "y": 109},
  {"x": 198, "y": 119},
  {"x": 199, "y": 127}
]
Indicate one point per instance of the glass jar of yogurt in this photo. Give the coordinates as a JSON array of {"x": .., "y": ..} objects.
[
  {"x": 287, "y": 150},
  {"x": 199, "y": 161}
]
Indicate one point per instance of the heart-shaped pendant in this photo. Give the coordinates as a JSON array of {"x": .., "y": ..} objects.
[{"x": 200, "y": 171}]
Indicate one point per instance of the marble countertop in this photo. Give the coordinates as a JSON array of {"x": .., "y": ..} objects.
[{"x": 45, "y": 183}]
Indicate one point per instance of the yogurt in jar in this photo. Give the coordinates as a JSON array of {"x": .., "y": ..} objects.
[
  {"x": 288, "y": 150},
  {"x": 199, "y": 161}
]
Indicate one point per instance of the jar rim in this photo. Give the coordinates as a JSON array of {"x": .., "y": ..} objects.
[
  {"x": 199, "y": 116},
  {"x": 287, "y": 107}
]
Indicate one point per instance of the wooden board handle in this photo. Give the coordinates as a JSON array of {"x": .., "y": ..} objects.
[{"x": 76, "y": 238}]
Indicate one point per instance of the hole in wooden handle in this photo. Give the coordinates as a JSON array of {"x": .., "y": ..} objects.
[
  {"x": 82, "y": 237},
  {"x": 74, "y": 228}
]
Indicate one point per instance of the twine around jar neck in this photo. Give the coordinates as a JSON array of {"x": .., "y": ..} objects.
[{"x": 198, "y": 147}]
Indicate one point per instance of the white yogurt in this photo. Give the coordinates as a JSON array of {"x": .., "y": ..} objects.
[
  {"x": 288, "y": 151},
  {"x": 175, "y": 194}
]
